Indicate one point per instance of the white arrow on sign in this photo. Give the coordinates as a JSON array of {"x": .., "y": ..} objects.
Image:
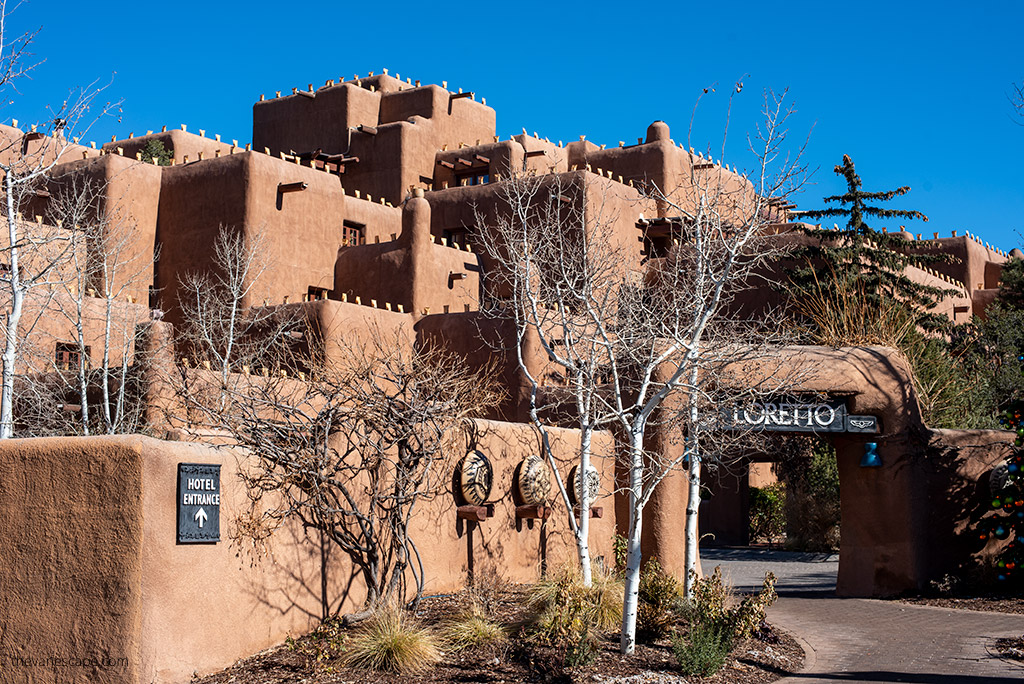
[{"x": 201, "y": 517}]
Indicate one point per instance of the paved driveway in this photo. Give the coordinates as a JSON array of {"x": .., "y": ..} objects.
[{"x": 864, "y": 640}]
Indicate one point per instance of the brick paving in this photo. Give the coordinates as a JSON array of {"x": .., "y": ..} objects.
[{"x": 865, "y": 640}]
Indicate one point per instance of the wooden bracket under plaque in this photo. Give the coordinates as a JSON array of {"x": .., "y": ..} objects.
[
  {"x": 476, "y": 513},
  {"x": 595, "y": 512},
  {"x": 533, "y": 511}
]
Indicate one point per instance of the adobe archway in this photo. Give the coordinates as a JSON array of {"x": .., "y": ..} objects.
[{"x": 905, "y": 522}]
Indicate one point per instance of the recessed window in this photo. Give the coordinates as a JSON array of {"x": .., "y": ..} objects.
[
  {"x": 473, "y": 177},
  {"x": 456, "y": 237},
  {"x": 68, "y": 356},
  {"x": 353, "y": 233}
]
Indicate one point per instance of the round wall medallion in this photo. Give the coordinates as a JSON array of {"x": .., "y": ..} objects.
[
  {"x": 593, "y": 484},
  {"x": 475, "y": 478},
  {"x": 534, "y": 481}
]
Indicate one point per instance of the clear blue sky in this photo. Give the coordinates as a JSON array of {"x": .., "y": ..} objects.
[{"x": 915, "y": 92}]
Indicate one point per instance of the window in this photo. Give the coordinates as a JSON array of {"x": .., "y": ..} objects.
[
  {"x": 353, "y": 233},
  {"x": 473, "y": 177},
  {"x": 68, "y": 356},
  {"x": 456, "y": 237}
]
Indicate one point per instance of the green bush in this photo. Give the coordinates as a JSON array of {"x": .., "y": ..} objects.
[
  {"x": 712, "y": 605},
  {"x": 660, "y": 596},
  {"x": 620, "y": 547},
  {"x": 811, "y": 474},
  {"x": 703, "y": 651},
  {"x": 767, "y": 512},
  {"x": 154, "y": 149}
]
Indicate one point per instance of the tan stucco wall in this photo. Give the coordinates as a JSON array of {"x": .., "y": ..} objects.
[
  {"x": 71, "y": 539},
  {"x": 91, "y": 569}
]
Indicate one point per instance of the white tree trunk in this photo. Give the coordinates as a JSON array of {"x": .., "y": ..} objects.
[
  {"x": 692, "y": 507},
  {"x": 634, "y": 554},
  {"x": 108, "y": 314},
  {"x": 83, "y": 377},
  {"x": 583, "y": 496},
  {"x": 10, "y": 355},
  {"x": 693, "y": 492}
]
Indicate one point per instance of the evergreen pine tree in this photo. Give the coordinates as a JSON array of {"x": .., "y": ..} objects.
[
  {"x": 154, "y": 149},
  {"x": 860, "y": 258}
]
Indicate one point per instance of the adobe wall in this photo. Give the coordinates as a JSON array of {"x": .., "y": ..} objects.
[
  {"x": 90, "y": 530},
  {"x": 515, "y": 549},
  {"x": 301, "y": 231},
  {"x": 127, "y": 206},
  {"x": 341, "y": 326},
  {"x": 39, "y": 148},
  {"x": 53, "y": 321},
  {"x": 958, "y": 467},
  {"x": 184, "y": 146},
  {"x": 303, "y": 124},
  {"x": 411, "y": 270},
  {"x": 480, "y": 341},
  {"x": 974, "y": 263},
  {"x": 72, "y": 533},
  {"x": 393, "y": 128}
]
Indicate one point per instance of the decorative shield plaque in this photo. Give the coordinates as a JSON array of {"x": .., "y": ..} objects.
[
  {"x": 534, "y": 481},
  {"x": 476, "y": 475},
  {"x": 593, "y": 484}
]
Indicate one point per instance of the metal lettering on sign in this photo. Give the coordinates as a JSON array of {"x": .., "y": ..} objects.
[
  {"x": 793, "y": 415},
  {"x": 788, "y": 416},
  {"x": 198, "y": 503}
]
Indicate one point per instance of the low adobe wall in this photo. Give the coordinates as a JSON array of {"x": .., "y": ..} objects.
[{"x": 92, "y": 579}]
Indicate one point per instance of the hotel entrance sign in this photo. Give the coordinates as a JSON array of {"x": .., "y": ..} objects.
[{"x": 198, "y": 503}]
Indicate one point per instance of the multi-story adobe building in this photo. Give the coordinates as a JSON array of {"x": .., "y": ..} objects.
[{"x": 365, "y": 194}]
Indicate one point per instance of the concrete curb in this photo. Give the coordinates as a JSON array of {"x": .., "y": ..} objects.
[{"x": 810, "y": 660}]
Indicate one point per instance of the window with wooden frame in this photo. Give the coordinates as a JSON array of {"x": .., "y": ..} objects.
[
  {"x": 477, "y": 176},
  {"x": 456, "y": 237},
  {"x": 353, "y": 233},
  {"x": 68, "y": 356}
]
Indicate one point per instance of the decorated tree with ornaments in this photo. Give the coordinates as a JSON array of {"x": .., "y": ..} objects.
[{"x": 1007, "y": 487}]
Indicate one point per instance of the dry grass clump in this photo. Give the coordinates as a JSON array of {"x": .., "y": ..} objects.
[
  {"x": 838, "y": 315},
  {"x": 561, "y": 596},
  {"x": 472, "y": 629},
  {"x": 392, "y": 642},
  {"x": 566, "y": 614}
]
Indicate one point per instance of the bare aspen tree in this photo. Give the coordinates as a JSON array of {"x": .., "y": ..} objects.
[
  {"x": 104, "y": 268},
  {"x": 31, "y": 254},
  {"x": 629, "y": 336},
  {"x": 224, "y": 329},
  {"x": 557, "y": 271}
]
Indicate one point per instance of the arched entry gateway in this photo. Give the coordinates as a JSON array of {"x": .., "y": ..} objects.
[
  {"x": 786, "y": 428},
  {"x": 907, "y": 509}
]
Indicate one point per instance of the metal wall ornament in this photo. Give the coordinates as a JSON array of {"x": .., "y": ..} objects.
[
  {"x": 533, "y": 481},
  {"x": 476, "y": 476},
  {"x": 593, "y": 484}
]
